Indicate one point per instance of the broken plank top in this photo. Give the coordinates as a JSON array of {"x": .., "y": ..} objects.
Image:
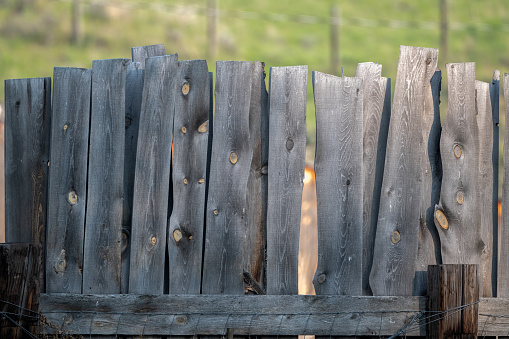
[
  {"x": 68, "y": 179},
  {"x": 398, "y": 221},
  {"x": 152, "y": 178},
  {"x": 339, "y": 183},
  {"x": 103, "y": 230},
  {"x": 229, "y": 172},
  {"x": 287, "y": 148},
  {"x": 139, "y": 54},
  {"x": 457, "y": 217},
  {"x": 190, "y": 146},
  {"x": 27, "y": 132}
]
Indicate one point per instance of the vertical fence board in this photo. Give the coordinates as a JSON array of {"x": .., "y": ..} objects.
[
  {"x": 398, "y": 222},
  {"x": 458, "y": 216},
  {"x": 287, "y": 147},
  {"x": 503, "y": 270},
  {"x": 339, "y": 183},
  {"x": 229, "y": 172},
  {"x": 152, "y": 177},
  {"x": 256, "y": 206},
  {"x": 485, "y": 125},
  {"x": 374, "y": 88},
  {"x": 103, "y": 230},
  {"x": 190, "y": 144},
  {"x": 139, "y": 54},
  {"x": 27, "y": 133},
  {"x": 67, "y": 190}
]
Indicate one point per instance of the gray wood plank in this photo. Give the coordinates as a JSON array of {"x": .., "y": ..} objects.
[
  {"x": 374, "y": 88},
  {"x": 247, "y": 315},
  {"x": 503, "y": 268},
  {"x": 27, "y": 133},
  {"x": 426, "y": 248},
  {"x": 133, "y": 90},
  {"x": 103, "y": 228},
  {"x": 229, "y": 173},
  {"x": 190, "y": 146},
  {"x": 256, "y": 211},
  {"x": 397, "y": 237},
  {"x": 485, "y": 125},
  {"x": 67, "y": 190},
  {"x": 458, "y": 211},
  {"x": 287, "y": 143},
  {"x": 139, "y": 54},
  {"x": 339, "y": 183},
  {"x": 151, "y": 183}
]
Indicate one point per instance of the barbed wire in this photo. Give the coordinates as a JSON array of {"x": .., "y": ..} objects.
[{"x": 294, "y": 18}]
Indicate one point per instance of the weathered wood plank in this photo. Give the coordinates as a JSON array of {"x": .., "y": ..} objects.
[
  {"x": 247, "y": 315},
  {"x": 20, "y": 288},
  {"x": 229, "y": 173},
  {"x": 339, "y": 183},
  {"x": 256, "y": 212},
  {"x": 67, "y": 189},
  {"x": 503, "y": 268},
  {"x": 485, "y": 177},
  {"x": 190, "y": 146},
  {"x": 457, "y": 217},
  {"x": 398, "y": 221},
  {"x": 27, "y": 136},
  {"x": 139, "y": 54},
  {"x": 152, "y": 177},
  {"x": 287, "y": 144},
  {"x": 495, "y": 103},
  {"x": 103, "y": 229},
  {"x": 374, "y": 88}
]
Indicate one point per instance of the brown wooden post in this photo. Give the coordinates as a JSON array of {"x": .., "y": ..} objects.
[
  {"x": 453, "y": 295},
  {"x": 19, "y": 289}
]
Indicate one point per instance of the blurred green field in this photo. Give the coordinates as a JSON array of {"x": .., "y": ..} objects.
[{"x": 35, "y": 34}]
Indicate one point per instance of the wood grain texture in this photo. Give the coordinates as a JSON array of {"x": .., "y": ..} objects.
[
  {"x": 256, "y": 212},
  {"x": 190, "y": 146},
  {"x": 139, "y": 54},
  {"x": 103, "y": 229},
  {"x": 339, "y": 183},
  {"x": 287, "y": 144},
  {"x": 503, "y": 268},
  {"x": 374, "y": 88},
  {"x": 67, "y": 190},
  {"x": 20, "y": 288},
  {"x": 246, "y": 315},
  {"x": 485, "y": 177},
  {"x": 229, "y": 173},
  {"x": 152, "y": 178},
  {"x": 461, "y": 242},
  {"x": 394, "y": 259},
  {"x": 27, "y": 136},
  {"x": 426, "y": 248}
]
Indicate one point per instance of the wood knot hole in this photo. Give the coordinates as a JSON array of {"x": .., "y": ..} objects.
[
  {"x": 181, "y": 320},
  {"x": 234, "y": 157},
  {"x": 185, "y": 181},
  {"x": 395, "y": 237},
  {"x": 177, "y": 235},
  {"x": 460, "y": 197},
  {"x": 185, "y": 88},
  {"x": 289, "y": 144},
  {"x": 321, "y": 278},
  {"x": 73, "y": 197},
  {"x": 153, "y": 240},
  {"x": 184, "y": 129},
  {"x": 457, "y": 151},
  {"x": 442, "y": 219},
  {"x": 216, "y": 212}
]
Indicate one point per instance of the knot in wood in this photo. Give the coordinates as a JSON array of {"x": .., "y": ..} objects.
[
  {"x": 321, "y": 278},
  {"x": 234, "y": 157},
  {"x": 185, "y": 88},
  {"x": 201, "y": 181},
  {"x": 395, "y": 237},
  {"x": 184, "y": 129},
  {"x": 177, "y": 235},
  {"x": 442, "y": 219},
  {"x": 204, "y": 127},
  {"x": 457, "y": 151},
  {"x": 153, "y": 240},
  {"x": 460, "y": 197},
  {"x": 216, "y": 212},
  {"x": 289, "y": 144},
  {"x": 73, "y": 197},
  {"x": 185, "y": 181},
  {"x": 181, "y": 319}
]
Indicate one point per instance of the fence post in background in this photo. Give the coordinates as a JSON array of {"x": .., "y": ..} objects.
[
  {"x": 485, "y": 177},
  {"x": 339, "y": 183},
  {"x": 376, "y": 117},
  {"x": 103, "y": 230},
  {"x": 335, "y": 38},
  {"x": 457, "y": 217},
  {"x": 229, "y": 173},
  {"x": 453, "y": 301},
  {"x": 67, "y": 189},
  {"x": 287, "y": 148},
  {"x": 20, "y": 288},
  {"x": 397, "y": 234},
  {"x": 212, "y": 16},
  {"x": 190, "y": 145}
]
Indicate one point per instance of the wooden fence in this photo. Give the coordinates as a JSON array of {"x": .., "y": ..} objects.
[{"x": 158, "y": 218}]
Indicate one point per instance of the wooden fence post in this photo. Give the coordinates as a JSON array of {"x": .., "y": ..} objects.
[
  {"x": 453, "y": 295},
  {"x": 19, "y": 289}
]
